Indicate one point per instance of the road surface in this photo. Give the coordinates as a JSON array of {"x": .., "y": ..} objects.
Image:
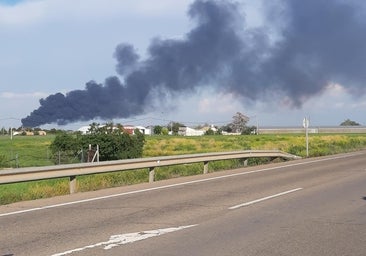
[{"x": 313, "y": 206}]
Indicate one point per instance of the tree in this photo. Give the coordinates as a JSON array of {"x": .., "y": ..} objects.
[
  {"x": 3, "y": 131},
  {"x": 165, "y": 131},
  {"x": 174, "y": 127},
  {"x": 210, "y": 132},
  {"x": 63, "y": 141},
  {"x": 239, "y": 122},
  {"x": 348, "y": 122},
  {"x": 219, "y": 131},
  {"x": 213, "y": 130},
  {"x": 113, "y": 143},
  {"x": 249, "y": 130},
  {"x": 158, "y": 129},
  {"x": 227, "y": 128},
  {"x": 64, "y": 148}
]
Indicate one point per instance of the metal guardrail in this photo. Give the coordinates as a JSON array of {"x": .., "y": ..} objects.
[{"x": 74, "y": 170}]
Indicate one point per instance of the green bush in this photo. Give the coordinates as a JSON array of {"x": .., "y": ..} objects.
[
  {"x": 2, "y": 161},
  {"x": 64, "y": 148},
  {"x": 113, "y": 145}
]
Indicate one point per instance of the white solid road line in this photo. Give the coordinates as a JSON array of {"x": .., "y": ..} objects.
[
  {"x": 173, "y": 185},
  {"x": 263, "y": 199}
]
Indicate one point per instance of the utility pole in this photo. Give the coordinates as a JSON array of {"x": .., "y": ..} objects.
[{"x": 305, "y": 123}]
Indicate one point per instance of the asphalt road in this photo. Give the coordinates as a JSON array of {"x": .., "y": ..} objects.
[{"x": 305, "y": 207}]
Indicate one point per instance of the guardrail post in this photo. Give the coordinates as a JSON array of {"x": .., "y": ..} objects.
[
  {"x": 151, "y": 174},
  {"x": 205, "y": 167},
  {"x": 245, "y": 162},
  {"x": 72, "y": 184}
]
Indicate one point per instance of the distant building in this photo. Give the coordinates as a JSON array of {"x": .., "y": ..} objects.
[
  {"x": 84, "y": 130},
  {"x": 211, "y": 127},
  {"x": 130, "y": 129},
  {"x": 42, "y": 133},
  {"x": 187, "y": 131}
]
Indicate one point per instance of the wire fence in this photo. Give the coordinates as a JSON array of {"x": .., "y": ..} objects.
[
  {"x": 82, "y": 156},
  {"x": 17, "y": 159},
  {"x": 9, "y": 162}
]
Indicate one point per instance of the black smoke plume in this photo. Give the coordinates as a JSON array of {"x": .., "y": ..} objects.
[{"x": 305, "y": 46}]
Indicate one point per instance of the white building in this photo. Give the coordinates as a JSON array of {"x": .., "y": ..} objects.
[
  {"x": 84, "y": 129},
  {"x": 128, "y": 128},
  {"x": 186, "y": 131}
]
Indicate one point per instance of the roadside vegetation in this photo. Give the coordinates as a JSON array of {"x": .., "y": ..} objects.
[
  {"x": 104, "y": 142},
  {"x": 23, "y": 151}
]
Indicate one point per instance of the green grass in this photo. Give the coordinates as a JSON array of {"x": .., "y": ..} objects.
[
  {"x": 33, "y": 151},
  {"x": 25, "y": 151},
  {"x": 319, "y": 144}
]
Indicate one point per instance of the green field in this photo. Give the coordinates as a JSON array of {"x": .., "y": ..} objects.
[{"x": 24, "y": 151}]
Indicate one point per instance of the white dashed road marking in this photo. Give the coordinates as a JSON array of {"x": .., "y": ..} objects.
[{"x": 263, "y": 199}]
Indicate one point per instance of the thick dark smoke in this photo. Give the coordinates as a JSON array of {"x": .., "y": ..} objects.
[{"x": 316, "y": 42}]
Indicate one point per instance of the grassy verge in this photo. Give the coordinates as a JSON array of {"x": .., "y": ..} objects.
[
  {"x": 25, "y": 151},
  {"x": 33, "y": 151}
]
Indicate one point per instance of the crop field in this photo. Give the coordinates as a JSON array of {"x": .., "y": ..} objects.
[{"x": 24, "y": 151}]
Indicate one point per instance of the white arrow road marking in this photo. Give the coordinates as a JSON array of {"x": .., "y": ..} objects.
[{"x": 117, "y": 240}]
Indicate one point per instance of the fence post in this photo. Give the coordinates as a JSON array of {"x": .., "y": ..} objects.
[
  {"x": 205, "y": 167},
  {"x": 151, "y": 174},
  {"x": 16, "y": 160},
  {"x": 90, "y": 154},
  {"x": 82, "y": 156},
  {"x": 72, "y": 184},
  {"x": 98, "y": 153}
]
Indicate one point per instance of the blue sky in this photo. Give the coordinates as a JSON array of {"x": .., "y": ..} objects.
[
  {"x": 51, "y": 46},
  {"x": 9, "y": 2}
]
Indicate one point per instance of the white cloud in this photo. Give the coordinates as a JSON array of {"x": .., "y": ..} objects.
[
  {"x": 335, "y": 89},
  {"x": 16, "y": 106},
  {"x": 38, "y": 11},
  {"x": 219, "y": 103}
]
